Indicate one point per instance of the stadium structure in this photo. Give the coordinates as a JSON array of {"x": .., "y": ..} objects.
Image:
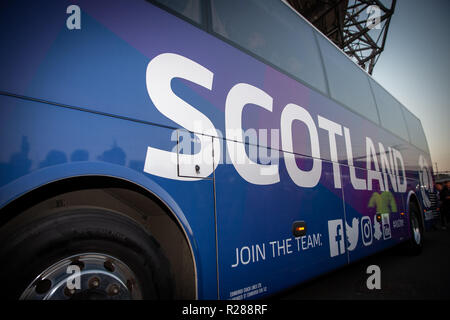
[{"x": 358, "y": 27}]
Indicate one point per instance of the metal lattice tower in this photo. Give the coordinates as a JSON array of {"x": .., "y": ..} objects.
[{"x": 358, "y": 27}]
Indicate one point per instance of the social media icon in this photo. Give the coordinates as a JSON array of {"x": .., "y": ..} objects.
[
  {"x": 336, "y": 237},
  {"x": 366, "y": 231},
  {"x": 352, "y": 234},
  {"x": 376, "y": 228}
]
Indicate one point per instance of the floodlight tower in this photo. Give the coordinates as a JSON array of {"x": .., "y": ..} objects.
[{"x": 358, "y": 27}]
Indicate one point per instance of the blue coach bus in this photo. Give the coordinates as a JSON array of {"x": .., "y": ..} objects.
[{"x": 193, "y": 149}]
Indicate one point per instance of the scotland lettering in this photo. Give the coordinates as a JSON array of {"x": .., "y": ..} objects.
[{"x": 388, "y": 171}]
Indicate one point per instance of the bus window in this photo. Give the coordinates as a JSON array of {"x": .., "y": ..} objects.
[
  {"x": 191, "y": 9},
  {"x": 415, "y": 131},
  {"x": 272, "y": 31},
  {"x": 390, "y": 111},
  {"x": 348, "y": 82}
]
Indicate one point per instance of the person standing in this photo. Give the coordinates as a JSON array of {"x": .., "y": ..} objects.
[
  {"x": 444, "y": 197},
  {"x": 439, "y": 187}
]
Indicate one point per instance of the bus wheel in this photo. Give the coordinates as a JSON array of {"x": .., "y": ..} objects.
[
  {"x": 415, "y": 244},
  {"x": 87, "y": 254}
]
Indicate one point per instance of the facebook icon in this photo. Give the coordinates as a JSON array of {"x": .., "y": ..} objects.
[{"x": 336, "y": 234}]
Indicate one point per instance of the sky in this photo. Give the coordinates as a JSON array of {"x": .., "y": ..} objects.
[{"x": 415, "y": 68}]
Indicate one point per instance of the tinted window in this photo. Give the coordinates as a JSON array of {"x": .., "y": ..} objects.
[
  {"x": 390, "y": 111},
  {"x": 348, "y": 83},
  {"x": 415, "y": 131},
  {"x": 271, "y": 30},
  {"x": 191, "y": 9}
]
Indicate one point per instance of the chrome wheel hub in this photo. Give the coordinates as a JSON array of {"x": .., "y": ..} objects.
[
  {"x": 416, "y": 230},
  {"x": 86, "y": 276}
]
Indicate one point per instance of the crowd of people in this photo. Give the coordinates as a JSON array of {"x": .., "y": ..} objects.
[{"x": 443, "y": 189}]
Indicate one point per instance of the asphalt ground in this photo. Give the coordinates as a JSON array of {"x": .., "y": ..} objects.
[{"x": 404, "y": 277}]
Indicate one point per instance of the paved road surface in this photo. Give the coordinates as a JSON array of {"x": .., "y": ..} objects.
[{"x": 426, "y": 276}]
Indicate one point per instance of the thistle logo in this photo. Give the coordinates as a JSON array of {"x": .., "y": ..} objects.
[{"x": 337, "y": 239}]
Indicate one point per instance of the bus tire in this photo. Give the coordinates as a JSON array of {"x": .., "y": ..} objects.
[
  {"x": 415, "y": 244},
  {"x": 115, "y": 257}
]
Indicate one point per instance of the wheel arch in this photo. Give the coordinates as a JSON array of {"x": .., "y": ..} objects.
[{"x": 41, "y": 190}]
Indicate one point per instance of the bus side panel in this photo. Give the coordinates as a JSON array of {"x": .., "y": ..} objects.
[
  {"x": 42, "y": 143},
  {"x": 360, "y": 204},
  {"x": 365, "y": 233},
  {"x": 103, "y": 65},
  {"x": 257, "y": 251}
]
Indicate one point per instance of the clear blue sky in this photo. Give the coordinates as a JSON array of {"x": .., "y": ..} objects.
[{"x": 415, "y": 68}]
